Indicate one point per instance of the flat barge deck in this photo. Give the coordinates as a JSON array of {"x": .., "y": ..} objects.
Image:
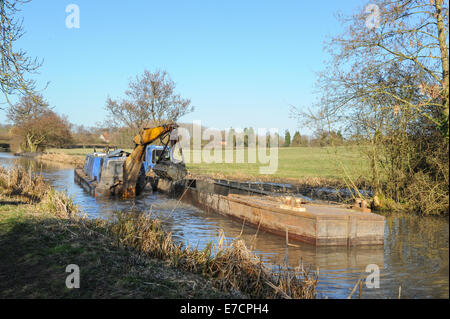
[{"x": 317, "y": 224}]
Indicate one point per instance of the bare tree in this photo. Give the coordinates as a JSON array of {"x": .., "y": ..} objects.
[
  {"x": 15, "y": 64},
  {"x": 410, "y": 36},
  {"x": 27, "y": 109},
  {"x": 387, "y": 83},
  {"x": 36, "y": 125},
  {"x": 151, "y": 100}
]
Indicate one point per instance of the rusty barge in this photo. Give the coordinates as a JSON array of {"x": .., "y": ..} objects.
[{"x": 316, "y": 224}]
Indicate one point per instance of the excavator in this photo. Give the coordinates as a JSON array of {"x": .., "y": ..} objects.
[
  {"x": 166, "y": 168},
  {"x": 122, "y": 174}
]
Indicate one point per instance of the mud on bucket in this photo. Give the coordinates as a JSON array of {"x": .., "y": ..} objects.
[{"x": 170, "y": 171}]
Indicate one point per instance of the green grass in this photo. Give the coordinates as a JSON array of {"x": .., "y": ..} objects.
[{"x": 296, "y": 163}]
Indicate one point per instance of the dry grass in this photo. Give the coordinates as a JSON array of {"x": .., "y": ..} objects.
[
  {"x": 59, "y": 204},
  {"x": 232, "y": 267},
  {"x": 20, "y": 183},
  {"x": 62, "y": 158},
  {"x": 33, "y": 189}
]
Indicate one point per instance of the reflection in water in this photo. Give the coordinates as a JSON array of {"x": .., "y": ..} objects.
[{"x": 415, "y": 255}]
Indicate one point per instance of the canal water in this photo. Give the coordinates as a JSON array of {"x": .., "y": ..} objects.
[{"x": 415, "y": 254}]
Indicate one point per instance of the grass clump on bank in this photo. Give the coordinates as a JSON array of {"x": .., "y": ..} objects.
[
  {"x": 21, "y": 184},
  {"x": 130, "y": 256}
]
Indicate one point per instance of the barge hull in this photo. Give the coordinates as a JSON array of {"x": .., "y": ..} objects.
[
  {"x": 320, "y": 225},
  {"x": 87, "y": 184}
]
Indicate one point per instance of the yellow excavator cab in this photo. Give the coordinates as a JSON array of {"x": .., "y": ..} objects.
[{"x": 133, "y": 164}]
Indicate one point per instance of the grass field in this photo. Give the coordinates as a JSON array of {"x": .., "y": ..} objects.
[{"x": 294, "y": 163}]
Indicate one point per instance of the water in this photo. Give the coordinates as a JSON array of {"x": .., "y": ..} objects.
[{"x": 415, "y": 254}]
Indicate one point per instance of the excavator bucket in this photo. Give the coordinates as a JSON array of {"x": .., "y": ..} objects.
[{"x": 171, "y": 171}]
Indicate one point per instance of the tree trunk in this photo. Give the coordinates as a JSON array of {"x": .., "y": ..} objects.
[{"x": 445, "y": 67}]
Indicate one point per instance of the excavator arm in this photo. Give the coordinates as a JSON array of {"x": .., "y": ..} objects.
[{"x": 133, "y": 164}]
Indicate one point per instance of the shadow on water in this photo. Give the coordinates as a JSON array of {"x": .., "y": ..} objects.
[{"x": 415, "y": 254}]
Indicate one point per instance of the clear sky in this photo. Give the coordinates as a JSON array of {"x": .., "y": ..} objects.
[{"x": 242, "y": 63}]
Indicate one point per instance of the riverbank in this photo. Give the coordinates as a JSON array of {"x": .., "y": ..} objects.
[
  {"x": 76, "y": 160},
  {"x": 35, "y": 250},
  {"x": 129, "y": 256}
]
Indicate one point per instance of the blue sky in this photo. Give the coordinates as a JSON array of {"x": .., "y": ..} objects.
[{"x": 242, "y": 63}]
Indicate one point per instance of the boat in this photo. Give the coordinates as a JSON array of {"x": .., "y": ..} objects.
[
  {"x": 124, "y": 174},
  {"x": 102, "y": 172},
  {"x": 319, "y": 224}
]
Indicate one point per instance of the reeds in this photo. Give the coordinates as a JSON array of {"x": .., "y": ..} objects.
[
  {"x": 59, "y": 204},
  {"x": 19, "y": 182},
  {"x": 232, "y": 267}
]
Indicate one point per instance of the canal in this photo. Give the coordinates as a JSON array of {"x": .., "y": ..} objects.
[{"x": 415, "y": 254}]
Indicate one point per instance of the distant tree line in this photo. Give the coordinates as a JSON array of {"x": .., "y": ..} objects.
[{"x": 320, "y": 138}]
